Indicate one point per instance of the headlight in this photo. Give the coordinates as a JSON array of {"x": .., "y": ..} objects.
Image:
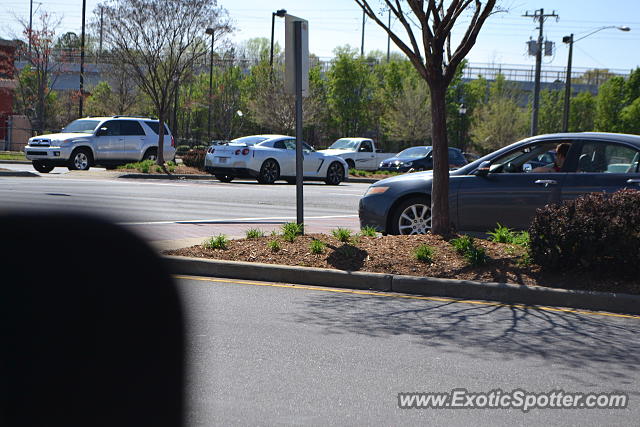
[
  {"x": 375, "y": 190},
  {"x": 408, "y": 163}
]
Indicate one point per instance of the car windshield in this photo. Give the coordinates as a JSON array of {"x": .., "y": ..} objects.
[
  {"x": 81, "y": 126},
  {"x": 344, "y": 144},
  {"x": 415, "y": 152},
  {"x": 250, "y": 140}
]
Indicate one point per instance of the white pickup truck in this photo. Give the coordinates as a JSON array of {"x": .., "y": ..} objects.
[{"x": 359, "y": 153}]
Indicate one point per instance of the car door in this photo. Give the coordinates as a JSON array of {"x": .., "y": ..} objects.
[
  {"x": 602, "y": 166},
  {"x": 134, "y": 140},
  {"x": 286, "y": 156},
  {"x": 312, "y": 161},
  {"x": 507, "y": 195},
  {"x": 108, "y": 142},
  {"x": 366, "y": 156}
]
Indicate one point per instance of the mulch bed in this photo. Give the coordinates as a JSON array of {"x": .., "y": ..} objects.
[{"x": 395, "y": 255}]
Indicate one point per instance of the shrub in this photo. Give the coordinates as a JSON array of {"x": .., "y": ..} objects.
[
  {"x": 181, "y": 149},
  {"x": 596, "y": 232},
  {"x": 274, "y": 245},
  {"x": 218, "y": 242},
  {"x": 194, "y": 158},
  {"x": 424, "y": 253},
  {"x": 342, "y": 234},
  {"x": 368, "y": 231},
  {"x": 316, "y": 247},
  {"x": 254, "y": 233},
  {"x": 291, "y": 230},
  {"x": 466, "y": 247}
]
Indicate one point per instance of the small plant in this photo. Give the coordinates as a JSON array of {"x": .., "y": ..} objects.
[
  {"x": 317, "y": 247},
  {"x": 466, "y": 247},
  {"x": 501, "y": 234},
  {"x": 368, "y": 231},
  {"x": 274, "y": 245},
  {"x": 218, "y": 242},
  {"x": 254, "y": 233},
  {"x": 291, "y": 230},
  {"x": 342, "y": 234},
  {"x": 424, "y": 253}
]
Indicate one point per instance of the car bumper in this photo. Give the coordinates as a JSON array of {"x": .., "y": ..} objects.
[
  {"x": 235, "y": 172},
  {"x": 395, "y": 168},
  {"x": 372, "y": 211},
  {"x": 47, "y": 154}
]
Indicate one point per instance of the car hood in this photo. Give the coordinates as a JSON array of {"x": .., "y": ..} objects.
[
  {"x": 415, "y": 176},
  {"x": 61, "y": 136},
  {"x": 334, "y": 152},
  {"x": 402, "y": 159}
]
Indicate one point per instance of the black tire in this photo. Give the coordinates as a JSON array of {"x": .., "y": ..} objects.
[
  {"x": 42, "y": 167},
  {"x": 269, "y": 172},
  {"x": 335, "y": 174},
  {"x": 150, "y": 154},
  {"x": 351, "y": 164},
  {"x": 224, "y": 178},
  {"x": 81, "y": 159},
  {"x": 413, "y": 216},
  {"x": 291, "y": 181}
]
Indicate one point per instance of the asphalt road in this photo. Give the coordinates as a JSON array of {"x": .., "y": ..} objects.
[
  {"x": 181, "y": 213},
  {"x": 267, "y": 354}
]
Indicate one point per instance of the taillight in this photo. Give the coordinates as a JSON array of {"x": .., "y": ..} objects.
[
  {"x": 237, "y": 152},
  {"x": 173, "y": 142},
  {"x": 245, "y": 151},
  {"x": 210, "y": 150}
]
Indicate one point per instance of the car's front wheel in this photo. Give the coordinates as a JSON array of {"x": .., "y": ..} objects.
[
  {"x": 335, "y": 174},
  {"x": 269, "y": 172},
  {"x": 224, "y": 178},
  {"x": 80, "y": 160},
  {"x": 413, "y": 216},
  {"x": 42, "y": 167}
]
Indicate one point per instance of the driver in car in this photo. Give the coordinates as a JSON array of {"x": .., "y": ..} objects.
[{"x": 561, "y": 155}]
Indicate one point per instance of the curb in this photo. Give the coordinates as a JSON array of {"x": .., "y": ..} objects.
[
  {"x": 16, "y": 162},
  {"x": 17, "y": 173},
  {"x": 463, "y": 289}
]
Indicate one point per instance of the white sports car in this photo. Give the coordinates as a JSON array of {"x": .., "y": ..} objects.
[{"x": 269, "y": 158}]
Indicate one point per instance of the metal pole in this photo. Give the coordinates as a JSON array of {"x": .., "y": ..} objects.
[
  {"x": 299, "y": 154},
  {"x": 80, "y": 105},
  {"x": 210, "y": 91},
  {"x": 536, "y": 90},
  {"x": 101, "y": 24},
  {"x": 389, "y": 38},
  {"x": 273, "y": 23},
  {"x": 567, "y": 90},
  {"x": 30, "y": 25},
  {"x": 362, "y": 44}
]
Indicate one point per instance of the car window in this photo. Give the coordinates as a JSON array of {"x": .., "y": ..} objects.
[
  {"x": 252, "y": 140},
  {"x": 154, "y": 127},
  {"x": 366, "y": 147},
  {"x": 415, "y": 152},
  {"x": 604, "y": 157},
  {"x": 131, "y": 127},
  {"x": 112, "y": 128},
  {"x": 81, "y": 126},
  {"x": 344, "y": 144},
  {"x": 514, "y": 161},
  {"x": 455, "y": 157}
]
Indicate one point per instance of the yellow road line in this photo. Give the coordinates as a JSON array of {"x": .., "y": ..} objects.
[{"x": 414, "y": 297}]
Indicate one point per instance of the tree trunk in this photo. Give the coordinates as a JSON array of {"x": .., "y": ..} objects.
[
  {"x": 160, "y": 156},
  {"x": 440, "y": 191}
]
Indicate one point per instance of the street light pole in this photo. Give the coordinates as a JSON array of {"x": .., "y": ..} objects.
[
  {"x": 364, "y": 16},
  {"x": 211, "y": 32},
  {"x": 280, "y": 13},
  {"x": 80, "y": 105},
  {"x": 567, "y": 92}
]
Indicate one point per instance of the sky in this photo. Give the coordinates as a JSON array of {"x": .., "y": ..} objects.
[{"x": 334, "y": 23}]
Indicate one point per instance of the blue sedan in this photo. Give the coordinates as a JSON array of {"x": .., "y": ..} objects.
[
  {"x": 420, "y": 158},
  {"x": 502, "y": 187}
]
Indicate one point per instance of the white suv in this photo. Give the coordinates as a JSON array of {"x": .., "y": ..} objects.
[{"x": 104, "y": 141}]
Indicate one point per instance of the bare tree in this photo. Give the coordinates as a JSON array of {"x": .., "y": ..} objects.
[
  {"x": 159, "y": 41},
  {"x": 435, "y": 22}
]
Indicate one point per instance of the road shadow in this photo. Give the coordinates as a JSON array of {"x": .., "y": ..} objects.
[{"x": 608, "y": 347}]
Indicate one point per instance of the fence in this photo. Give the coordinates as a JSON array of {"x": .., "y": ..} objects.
[{"x": 15, "y": 131}]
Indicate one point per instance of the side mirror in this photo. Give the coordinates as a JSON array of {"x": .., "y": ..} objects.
[
  {"x": 527, "y": 167},
  {"x": 101, "y": 132},
  {"x": 483, "y": 169},
  {"x": 378, "y": 150}
]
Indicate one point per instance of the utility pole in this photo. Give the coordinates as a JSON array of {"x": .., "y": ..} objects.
[
  {"x": 30, "y": 25},
  {"x": 362, "y": 44},
  {"x": 389, "y": 38},
  {"x": 101, "y": 24},
  {"x": 539, "y": 16},
  {"x": 80, "y": 105}
]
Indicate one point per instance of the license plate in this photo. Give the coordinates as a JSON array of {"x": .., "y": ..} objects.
[{"x": 222, "y": 159}]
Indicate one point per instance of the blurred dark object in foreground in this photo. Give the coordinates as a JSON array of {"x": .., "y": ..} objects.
[{"x": 92, "y": 327}]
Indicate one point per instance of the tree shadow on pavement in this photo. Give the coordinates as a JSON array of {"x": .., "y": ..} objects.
[{"x": 602, "y": 344}]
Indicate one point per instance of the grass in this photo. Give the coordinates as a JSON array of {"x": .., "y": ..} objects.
[
  {"x": 368, "y": 231},
  {"x": 12, "y": 155},
  {"x": 362, "y": 173},
  {"x": 504, "y": 234},
  {"x": 218, "y": 242},
  {"x": 466, "y": 247},
  {"x": 291, "y": 230},
  {"x": 317, "y": 247},
  {"x": 424, "y": 253},
  {"x": 254, "y": 233},
  {"x": 342, "y": 234},
  {"x": 149, "y": 165},
  {"x": 274, "y": 245}
]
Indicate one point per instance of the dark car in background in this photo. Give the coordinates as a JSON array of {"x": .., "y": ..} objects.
[
  {"x": 420, "y": 159},
  {"x": 502, "y": 188}
]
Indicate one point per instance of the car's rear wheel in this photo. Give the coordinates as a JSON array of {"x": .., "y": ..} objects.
[
  {"x": 413, "y": 216},
  {"x": 225, "y": 178},
  {"x": 151, "y": 154},
  {"x": 269, "y": 172},
  {"x": 80, "y": 159},
  {"x": 335, "y": 174},
  {"x": 42, "y": 167}
]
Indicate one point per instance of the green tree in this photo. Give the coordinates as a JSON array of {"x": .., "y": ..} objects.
[
  {"x": 100, "y": 102},
  {"x": 551, "y": 107},
  {"x": 582, "y": 113},
  {"x": 630, "y": 118},
  {"x": 609, "y": 103}
]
